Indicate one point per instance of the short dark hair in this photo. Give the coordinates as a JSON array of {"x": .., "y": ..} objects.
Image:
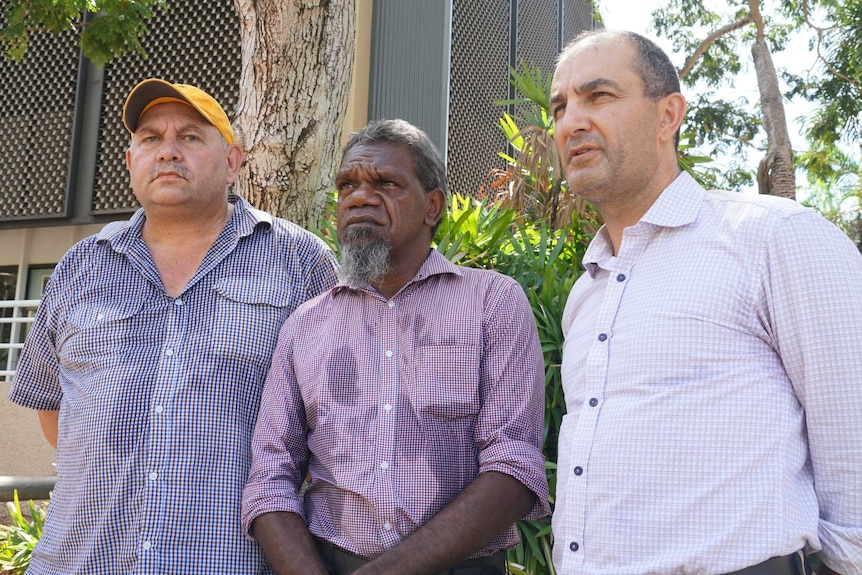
[
  {"x": 427, "y": 160},
  {"x": 651, "y": 63},
  {"x": 658, "y": 73}
]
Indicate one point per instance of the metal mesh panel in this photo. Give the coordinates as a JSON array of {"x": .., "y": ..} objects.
[
  {"x": 537, "y": 39},
  {"x": 195, "y": 42},
  {"x": 37, "y": 105},
  {"x": 577, "y": 17},
  {"x": 537, "y": 33},
  {"x": 478, "y": 77}
]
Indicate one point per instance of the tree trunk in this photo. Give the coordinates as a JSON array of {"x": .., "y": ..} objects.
[
  {"x": 297, "y": 62},
  {"x": 776, "y": 175}
]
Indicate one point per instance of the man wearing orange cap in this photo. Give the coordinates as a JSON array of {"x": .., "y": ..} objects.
[{"x": 149, "y": 350}]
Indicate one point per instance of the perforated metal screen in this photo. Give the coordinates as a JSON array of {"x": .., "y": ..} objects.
[
  {"x": 195, "y": 42},
  {"x": 577, "y": 17},
  {"x": 479, "y": 68},
  {"x": 486, "y": 40},
  {"x": 37, "y": 108}
]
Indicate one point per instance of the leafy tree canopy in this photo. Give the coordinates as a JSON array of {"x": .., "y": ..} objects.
[{"x": 106, "y": 29}]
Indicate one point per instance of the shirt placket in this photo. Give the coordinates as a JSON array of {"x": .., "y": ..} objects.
[
  {"x": 162, "y": 421},
  {"x": 615, "y": 273},
  {"x": 387, "y": 415}
]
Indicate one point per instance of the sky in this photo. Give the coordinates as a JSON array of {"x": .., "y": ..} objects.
[{"x": 636, "y": 15}]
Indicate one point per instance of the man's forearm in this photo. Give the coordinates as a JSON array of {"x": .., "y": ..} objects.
[
  {"x": 483, "y": 510},
  {"x": 287, "y": 544}
]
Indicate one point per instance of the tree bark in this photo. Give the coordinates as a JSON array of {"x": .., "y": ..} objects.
[
  {"x": 297, "y": 63},
  {"x": 778, "y": 177}
]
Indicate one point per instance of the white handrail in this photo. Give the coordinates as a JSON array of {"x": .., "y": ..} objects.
[{"x": 20, "y": 316}]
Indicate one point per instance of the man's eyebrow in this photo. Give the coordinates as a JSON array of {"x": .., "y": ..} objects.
[
  {"x": 559, "y": 95},
  {"x": 599, "y": 83}
]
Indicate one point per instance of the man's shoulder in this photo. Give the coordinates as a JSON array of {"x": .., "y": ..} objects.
[{"x": 755, "y": 206}]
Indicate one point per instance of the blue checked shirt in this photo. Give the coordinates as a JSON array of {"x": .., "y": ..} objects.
[
  {"x": 395, "y": 406},
  {"x": 158, "y": 396},
  {"x": 712, "y": 377}
]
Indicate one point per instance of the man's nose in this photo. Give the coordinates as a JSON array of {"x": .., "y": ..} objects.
[
  {"x": 168, "y": 150},
  {"x": 363, "y": 194}
]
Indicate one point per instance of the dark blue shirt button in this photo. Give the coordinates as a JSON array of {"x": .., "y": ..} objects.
[
  {"x": 603, "y": 336},
  {"x": 578, "y": 470},
  {"x": 573, "y": 546},
  {"x": 593, "y": 402},
  {"x": 621, "y": 277}
]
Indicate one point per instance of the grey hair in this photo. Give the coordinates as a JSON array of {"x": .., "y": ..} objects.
[{"x": 427, "y": 160}]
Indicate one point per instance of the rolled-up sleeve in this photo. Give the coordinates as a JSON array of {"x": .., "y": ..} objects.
[
  {"x": 279, "y": 448},
  {"x": 510, "y": 426}
]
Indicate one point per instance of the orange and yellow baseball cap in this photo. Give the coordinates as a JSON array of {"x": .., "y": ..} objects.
[{"x": 154, "y": 91}]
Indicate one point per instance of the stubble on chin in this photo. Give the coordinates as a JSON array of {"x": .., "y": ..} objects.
[{"x": 364, "y": 256}]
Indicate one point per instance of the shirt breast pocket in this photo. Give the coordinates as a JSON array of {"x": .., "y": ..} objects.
[
  {"x": 99, "y": 335},
  {"x": 446, "y": 384},
  {"x": 249, "y": 313}
]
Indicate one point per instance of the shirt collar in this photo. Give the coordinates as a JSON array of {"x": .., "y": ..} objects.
[
  {"x": 435, "y": 264},
  {"x": 121, "y": 235},
  {"x": 677, "y": 206}
]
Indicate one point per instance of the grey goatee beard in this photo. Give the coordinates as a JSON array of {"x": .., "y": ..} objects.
[{"x": 364, "y": 257}]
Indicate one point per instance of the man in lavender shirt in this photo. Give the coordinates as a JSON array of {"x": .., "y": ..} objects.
[{"x": 411, "y": 393}]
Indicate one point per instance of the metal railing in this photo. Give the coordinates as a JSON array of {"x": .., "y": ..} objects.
[{"x": 20, "y": 318}]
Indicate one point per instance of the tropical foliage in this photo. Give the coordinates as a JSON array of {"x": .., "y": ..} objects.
[{"x": 18, "y": 539}]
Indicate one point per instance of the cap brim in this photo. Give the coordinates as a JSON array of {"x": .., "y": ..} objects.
[{"x": 144, "y": 93}]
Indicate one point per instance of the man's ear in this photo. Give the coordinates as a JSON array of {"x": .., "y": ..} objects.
[
  {"x": 671, "y": 112},
  {"x": 233, "y": 157},
  {"x": 436, "y": 207}
]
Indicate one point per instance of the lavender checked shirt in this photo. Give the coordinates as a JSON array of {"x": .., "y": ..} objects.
[
  {"x": 158, "y": 396},
  {"x": 713, "y": 378},
  {"x": 395, "y": 406}
]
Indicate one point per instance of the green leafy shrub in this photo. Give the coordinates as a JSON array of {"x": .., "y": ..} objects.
[{"x": 18, "y": 539}]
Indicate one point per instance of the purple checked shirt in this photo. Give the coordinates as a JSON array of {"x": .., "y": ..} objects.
[{"x": 395, "y": 406}]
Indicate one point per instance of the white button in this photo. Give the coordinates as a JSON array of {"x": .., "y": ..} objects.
[
  {"x": 387, "y": 526},
  {"x": 387, "y": 407},
  {"x": 388, "y": 353},
  {"x": 100, "y": 317},
  {"x": 159, "y": 409},
  {"x": 154, "y": 475},
  {"x": 390, "y": 303},
  {"x": 384, "y": 466},
  {"x": 178, "y": 302},
  {"x": 169, "y": 352},
  {"x": 147, "y": 545}
]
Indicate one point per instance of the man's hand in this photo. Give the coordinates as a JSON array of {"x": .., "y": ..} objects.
[{"x": 490, "y": 504}]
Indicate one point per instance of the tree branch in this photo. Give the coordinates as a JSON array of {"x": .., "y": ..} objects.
[
  {"x": 820, "y": 55},
  {"x": 707, "y": 42}
]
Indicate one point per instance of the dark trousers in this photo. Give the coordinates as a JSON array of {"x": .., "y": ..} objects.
[
  {"x": 340, "y": 562},
  {"x": 794, "y": 564}
]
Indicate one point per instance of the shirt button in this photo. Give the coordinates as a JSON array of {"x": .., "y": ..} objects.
[
  {"x": 391, "y": 304},
  {"x": 388, "y": 353},
  {"x": 593, "y": 402},
  {"x": 579, "y": 470},
  {"x": 621, "y": 277},
  {"x": 100, "y": 317},
  {"x": 178, "y": 302},
  {"x": 384, "y": 466},
  {"x": 154, "y": 475},
  {"x": 387, "y": 407},
  {"x": 573, "y": 546},
  {"x": 159, "y": 409},
  {"x": 603, "y": 336},
  {"x": 169, "y": 352},
  {"x": 387, "y": 526},
  {"x": 147, "y": 545}
]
